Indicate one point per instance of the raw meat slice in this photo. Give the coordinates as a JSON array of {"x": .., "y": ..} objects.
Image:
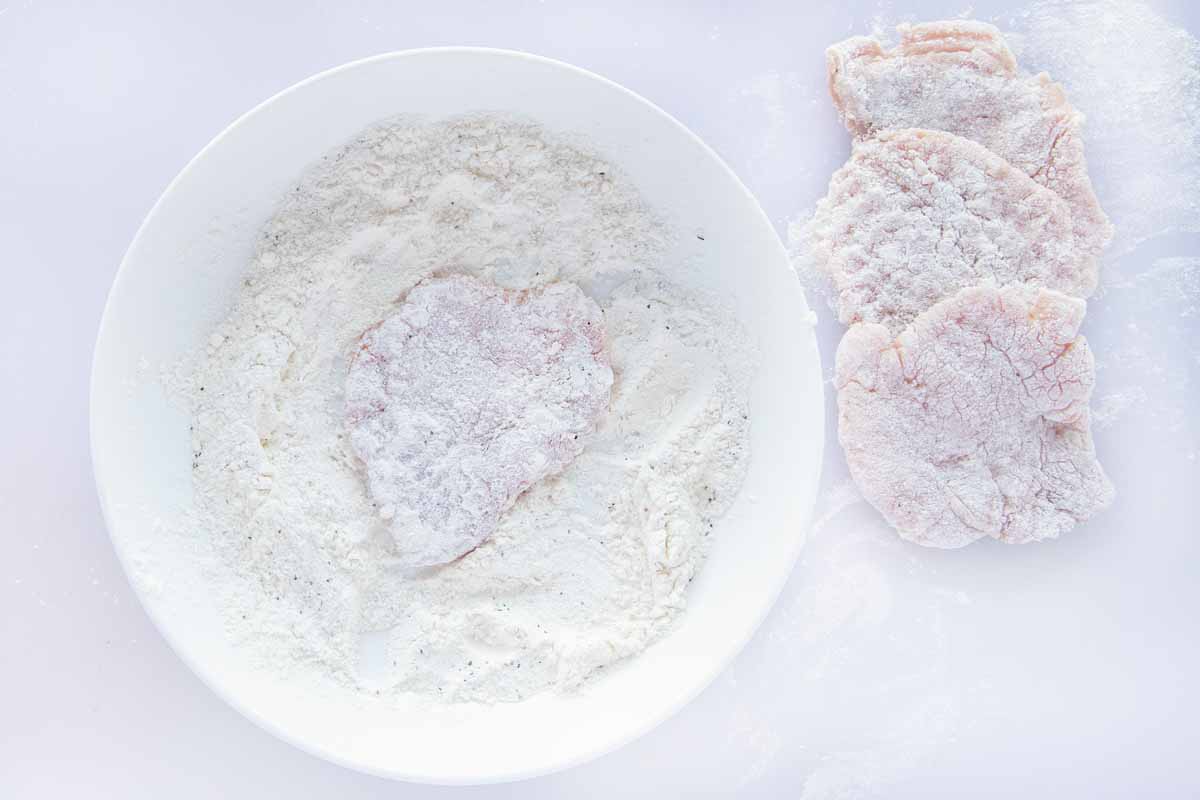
[
  {"x": 960, "y": 76},
  {"x": 916, "y": 215},
  {"x": 465, "y": 397},
  {"x": 974, "y": 421}
]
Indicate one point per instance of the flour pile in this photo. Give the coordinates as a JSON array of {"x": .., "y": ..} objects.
[
  {"x": 588, "y": 566},
  {"x": 955, "y": 237}
]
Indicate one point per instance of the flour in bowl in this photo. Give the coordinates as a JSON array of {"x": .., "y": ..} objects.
[{"x": 588, "y": 566}]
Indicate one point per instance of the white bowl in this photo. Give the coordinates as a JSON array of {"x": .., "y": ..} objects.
[{"x": 181, "y": 272}]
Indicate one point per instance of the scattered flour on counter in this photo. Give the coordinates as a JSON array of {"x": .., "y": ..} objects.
[
  {"x": 1150, "y": 370},
  {"x": 588, "y": 567},
  {"x": 1137, "y": 78}
]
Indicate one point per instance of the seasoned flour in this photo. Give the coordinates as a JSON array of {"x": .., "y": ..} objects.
[{"x": 588, "y": 567}]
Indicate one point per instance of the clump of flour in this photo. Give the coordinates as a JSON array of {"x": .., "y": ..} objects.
[{"x": 588, "y": 567}]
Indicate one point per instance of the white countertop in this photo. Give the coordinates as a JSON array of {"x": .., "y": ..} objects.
[{"x": 1062, "y": 669}]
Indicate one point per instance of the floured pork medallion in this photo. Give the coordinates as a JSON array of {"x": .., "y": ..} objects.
[
  {"x": 466, "y": 396},
  {"x": 960, "y": 77},
  {"x": 974, "y": 421},
  {"x": 915, "y": 215}
]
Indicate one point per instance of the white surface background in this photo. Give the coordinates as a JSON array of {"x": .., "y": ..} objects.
[{"x": 1061, "y": 669}]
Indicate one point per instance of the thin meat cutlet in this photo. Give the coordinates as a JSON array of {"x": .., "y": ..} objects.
[
  {"x": 466, "y": 396},
  {"x": 960, "y": 77},
  {"x": 915, "y": 215},
  {"x": 974, "y": 422}
]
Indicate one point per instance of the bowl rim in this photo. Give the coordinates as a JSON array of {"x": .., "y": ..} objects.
[{"x": 265, "y": 723}]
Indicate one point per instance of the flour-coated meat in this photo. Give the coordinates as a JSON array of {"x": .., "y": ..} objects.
[
  {"x": 974, "y": 422},
  {"x": 915, "y": 215},
  {"x": 466, "y": 396},
  {"x": 959, "y": 76}
]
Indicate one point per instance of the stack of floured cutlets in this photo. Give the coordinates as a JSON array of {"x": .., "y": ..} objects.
[{"x": 960, "y": 240}]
